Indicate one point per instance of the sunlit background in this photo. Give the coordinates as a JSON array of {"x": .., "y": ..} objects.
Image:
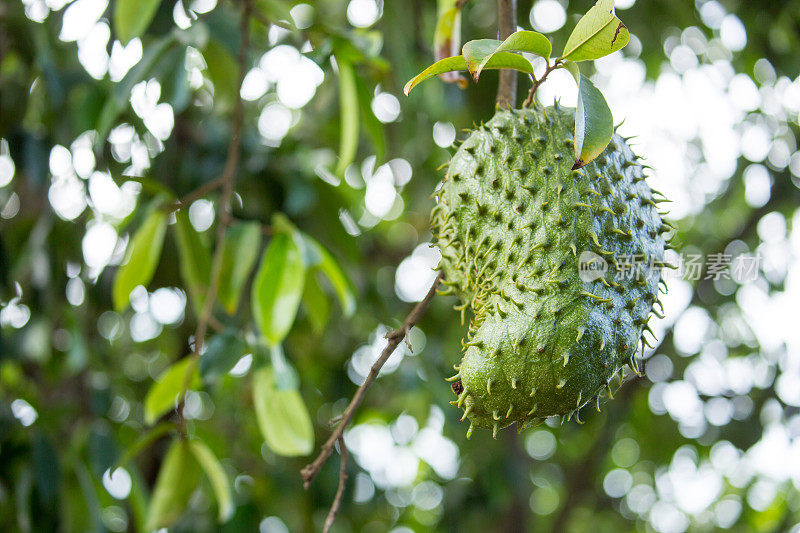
[{"x": 698, "y": 121}]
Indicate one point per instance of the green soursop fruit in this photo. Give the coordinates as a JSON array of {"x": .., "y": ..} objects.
[{"x": 538, "y": 252}]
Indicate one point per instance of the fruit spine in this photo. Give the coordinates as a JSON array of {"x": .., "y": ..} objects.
[{"x": 512, "y": 220}]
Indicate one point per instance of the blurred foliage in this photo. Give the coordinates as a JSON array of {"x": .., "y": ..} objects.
[{"x": 74, "y": 382}]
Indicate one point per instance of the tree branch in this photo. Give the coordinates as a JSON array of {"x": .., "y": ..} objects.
[
  {"x": 311, "y": 470},
  {"x": 337, "y": 502},
  {"x": 536, "y": 83},
  {"x": 506, "y": 25}
]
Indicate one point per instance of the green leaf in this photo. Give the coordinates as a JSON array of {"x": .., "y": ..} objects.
[
  {"x": 239, "y": 255},
  {"x": 478, "y": 53},
  {"x": 216, "y": 475},
  {"x": 194, "y": 260},
  {"x": 143, "y": 442},
  {"x": 598, "y": 33},
  {"x": 177, "y": 479},
  {"x": 140, "y": 264},
  {"x": 278, "y": 288},
  {"x": 164, "y": 393},
  {"x": 282, "y": 416},
  {"x": 222, "y": 353},
  {"x": 316, "y": 303},
  {"x": 372, "y": 126},
  {"x": 498, "y": 61},
  {"x": 573, "y": 69},
  {"x": 327, "y": 264},
  {"x": 132, "y": 17},
  {"x": 447, "y": 39},
  {"x": 594, "y": 124},
  {"x": 348, "y": 109},
  {"x": 223, "y": 72}
]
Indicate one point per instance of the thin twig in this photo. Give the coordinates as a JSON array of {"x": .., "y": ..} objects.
[
  {"x": 228, "y": 179},
  {"x": 311, "y": 470},
  {"x": 337, "y": 501},
  {"x": 203, "y": 190},
  {"x": 536, "y": 83},
  {"x": 506, "y": 25}
]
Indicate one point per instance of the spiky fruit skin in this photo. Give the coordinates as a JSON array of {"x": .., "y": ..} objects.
[{"x": 511, "y": 220}]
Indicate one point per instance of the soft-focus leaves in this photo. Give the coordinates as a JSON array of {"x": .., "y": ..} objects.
[
  {"x": 327, "y": 264},
  {"x": 239, "y": 255},
  {"x": 177, "y": 479},
  {"x": 195, "y": 260},
  {"x": 348, "y": 114},
  {"x": 282, "y": 416},
  {"x": 447, "y": 40},
  {"x": 132, "y": 17},
  {"x": 216, "y": 475},
  {"x": 277, "y": 288},
  {"x": 316, "y": 303},
  {"x": 222, "y": 71},
  {"x": 479, "y": 52},
  {"x": 164, "y": 393},
  {"x": 498, "y": 61},
  {"x": 143, "y": 442},
  {"x": 142, "y": 257},
  {"x": 598, "y": 33},
  {"x": 594, "y": 124},
  {"x": 222, "y": 352}
]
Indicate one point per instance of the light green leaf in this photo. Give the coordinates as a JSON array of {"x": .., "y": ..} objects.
[
  {"x": 328, "y": 265},
  {"x": 282, "y": 416},
  {"x": 195, "y": 260},
  {"x": 278, "y": 288},
  {"x": 177, "y": 479},
  {"x": 573, "y": 69},
  {"x": 520, "y": 41},
  {"x": 348, "y": 111},
  {"x": 216, "y": 475},
  {"x": 498, "y": 61},
  {"x": 316, "y": 303},
  {"x": 240, "y": 252},
  {"x": 140, "y": 264},
  {"x": 132, "y": 17},
  {"x": 594, "y": 124},
  {"x": 222, "y": 353},
  {"x": 598, "y": 33},
  {"x": 164, "y": 393}
]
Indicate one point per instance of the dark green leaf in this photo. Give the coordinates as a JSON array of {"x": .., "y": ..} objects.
[
  {"x": 177, "y": 479},
  {"x": 194, "y": 260},
  {"x": 164, "y": 393},
  {"x": 328, "y": 265},
  {"x": 132, "y": 17},
  {"x": 222, "y": 353},
  {"x": 282, "y": 416},
  {"x": 223, "y": 72},
  {"x": 239, "y": 255},
  {"x": 277, "y": 288},
  {"x": 594, "y": 124},
  {"x": 143, "y": 442},
  {"x": 598, "y": 33},
  {"x": 216, "y": 475},
  {"x": 141, "y": 260}
]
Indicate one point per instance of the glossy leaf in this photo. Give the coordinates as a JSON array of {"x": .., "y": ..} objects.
[
  {"x": 177, "y": 479},
  {"x": 239, "y": 255},
  {"x": 316, "y": 303},
  {"x": 144, "y": 250},
  {"x": 222, "y": 353},
  {"x": 278, "y": 288},
  {"x": 594, "y": 124},
  {"x": 348, "y": 114},
  {"x": 132, "y": 17},
  {"x": 598, "y": 33},
  {"x": 164, "y": 393},
  {"x": 498, "y": 61},
  {"x": 282, "y": 416},
  {"x": 477, "y": 55},
  {"x": 216, "y": 475},
  {"x": 330, "y": 268},
  {"x": 194, "y": 260}
]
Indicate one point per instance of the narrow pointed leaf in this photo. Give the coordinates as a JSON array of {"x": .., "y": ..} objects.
[
  {"x": 164, "y": 393},
  {"x": 216, "y": 475},
  {"x": 520, "y": 41},
  {"x": 195, "y": 260},
  {"x": 177, "y": 479},
  {"x": 598, "y": 33},
  {"x": 278, "y": 288},
  {"x": 144, "y": 250},
  {"x": 239, "y": 255},
  {"x": 348, "y": 114},
  {"x": 594, "y": 124},
  {"x": 330, "y": 268},
  {"x": 132, "y": 17},
  {"x": 498, "y": 61},
  {"x": 282, "y": 416}
]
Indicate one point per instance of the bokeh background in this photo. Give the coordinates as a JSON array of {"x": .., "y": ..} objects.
[{"x": 91, "y": 130}]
